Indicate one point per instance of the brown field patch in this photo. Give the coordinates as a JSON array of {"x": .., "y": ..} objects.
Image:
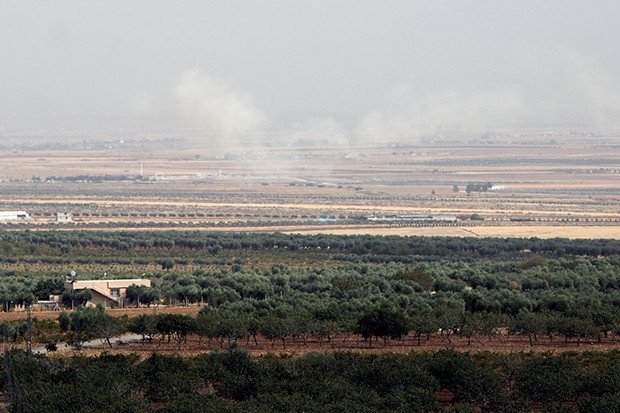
[
  {"x": 562, "y": 186},
  {"x": 296, "y": 347}
]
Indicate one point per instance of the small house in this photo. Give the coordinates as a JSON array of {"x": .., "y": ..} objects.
[
  {"x": 109, "y": 293},
  {"x": 63, "y": 217}
]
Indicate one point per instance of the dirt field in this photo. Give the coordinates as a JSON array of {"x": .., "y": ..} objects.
[
  {"x": 195, "y": 345},
  {"x": 354, "y": 343},
  {"x": 545, "y": 184},
  {"x": 519, "y": 231},
  {"x": 116, "y": 312}
]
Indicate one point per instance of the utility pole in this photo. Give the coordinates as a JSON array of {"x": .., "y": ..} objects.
[{"x": 29, "y": 334}]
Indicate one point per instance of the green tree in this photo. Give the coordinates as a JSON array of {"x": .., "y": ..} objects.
[
  {"x": 107, "y": 327},
  {"x": 382, "y": 322},
  {"x": 132, "y": 294},
  {"x": 449, "y": 316},
  {"x": 176, "y": 326},
  {"x": 145, "y": 325},
  {"x": 64, "y": 320},
  {"x": 164, "y": 378},
  {"x": 207, "y": 324},
  {"x": 76, "y": 298},
  {"x": 419, "y": 276},
  {"x": 549, "y": 379},
  {"x": 528, "y": 324},
  {"x": 232, "y": 327},
  {"x": 323, "y": 329},
  {"x": 86, "y": 324},
  {"x": 166, "y": 264},
  {"x": 273, "y": 327},
  {"x": 423, "y": 323},
  {"x": 575, "y": 327},
  {"x": 48, "y": 286}
]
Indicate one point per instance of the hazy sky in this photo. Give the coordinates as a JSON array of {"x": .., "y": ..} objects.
[{"x": 338, "y": 68}]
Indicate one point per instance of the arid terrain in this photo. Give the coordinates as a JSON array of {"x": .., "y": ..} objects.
[{"x": 544, "y": 184}]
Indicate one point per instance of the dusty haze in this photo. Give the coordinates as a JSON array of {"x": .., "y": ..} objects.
[{"x": 340, "y": 72}]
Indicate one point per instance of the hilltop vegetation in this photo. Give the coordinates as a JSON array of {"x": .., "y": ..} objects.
[
  {"x": 233, "y": 381},
  {"x": 370, "y": 290},
  {"x": 482, "y": 274}
]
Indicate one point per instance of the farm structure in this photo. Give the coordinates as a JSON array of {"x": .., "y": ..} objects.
[
  {"x": 13, "y": 215},
  {"x": 53, "y": 303},
  {"x": 109, "y": 293},
  {"x": 63, "y": 217}
]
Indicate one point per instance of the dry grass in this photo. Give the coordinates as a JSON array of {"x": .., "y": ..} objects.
[
  {"x": 518, "y": 231},
  {"x": 559, "y": 183}
]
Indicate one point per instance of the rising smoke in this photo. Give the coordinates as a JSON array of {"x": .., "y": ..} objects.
[
  {"x": 227, "y": 117},
  {"x": 561, "y": 90}
]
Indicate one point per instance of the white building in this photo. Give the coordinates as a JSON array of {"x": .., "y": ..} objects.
[
  {"x": 14, "y": 216},
  {"x": 63, "y": 216}
]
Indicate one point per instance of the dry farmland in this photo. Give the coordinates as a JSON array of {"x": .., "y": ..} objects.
[{"x": 544, "y": 184}]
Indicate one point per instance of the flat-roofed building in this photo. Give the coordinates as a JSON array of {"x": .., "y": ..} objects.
[
  {"x": 14, "y": 216},
  {"x": 109, "y": 293},
  {"x": 63, "y": 217}
]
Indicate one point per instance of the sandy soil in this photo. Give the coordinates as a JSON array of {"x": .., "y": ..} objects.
[{"x": 520, "y": 231}]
